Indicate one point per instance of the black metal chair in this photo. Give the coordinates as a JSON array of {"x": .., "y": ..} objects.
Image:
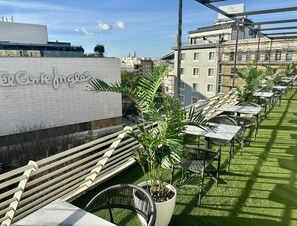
[
  {"x": 264, "y": 104},
  {"x": 286, "y": 84},
  {"x": 248, "y": 121},
  {"x": 125, "y": 196},
  {"x": 277, "y": 95},
  {"x": 198, "y": 161},
  {"x": 245, "y": 123}
]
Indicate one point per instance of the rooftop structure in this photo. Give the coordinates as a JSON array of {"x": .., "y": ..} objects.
[{"x": 31, "y": 40}]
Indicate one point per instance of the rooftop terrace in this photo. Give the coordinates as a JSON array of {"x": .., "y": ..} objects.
[{"x": 259, "y": 189}]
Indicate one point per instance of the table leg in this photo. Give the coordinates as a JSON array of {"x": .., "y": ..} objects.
[{"x": 257, "y": 126}]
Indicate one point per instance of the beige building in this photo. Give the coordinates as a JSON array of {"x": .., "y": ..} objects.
[
  {"x": 208, "y": 59},
  {"x": 271, "y": 53},
  {"x": 200, "y": 59}
]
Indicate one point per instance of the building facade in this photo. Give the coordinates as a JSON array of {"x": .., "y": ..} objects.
[
  {"x": 208, "y": 59},
  {"x": 43, "y": 84},
  {"x": 51, "y": 92},
  {"x": 272, "y": 53},
  {"x": 200, "y": 59}
]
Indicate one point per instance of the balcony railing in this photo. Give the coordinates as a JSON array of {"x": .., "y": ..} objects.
[{"x": 71, "y": 173}]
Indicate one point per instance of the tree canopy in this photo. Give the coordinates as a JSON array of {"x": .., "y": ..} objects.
[{"x": 99, "y": 49}]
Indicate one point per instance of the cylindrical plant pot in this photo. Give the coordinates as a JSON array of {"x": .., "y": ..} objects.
[{"x": 164, "y": 209}]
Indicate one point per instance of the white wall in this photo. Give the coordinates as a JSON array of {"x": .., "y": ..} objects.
[
  {"x": 30, "y": 105},
  {"x": 23, "y": 33}
]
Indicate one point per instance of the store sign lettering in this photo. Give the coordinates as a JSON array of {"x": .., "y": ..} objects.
[{"x": 54, "y": 79}]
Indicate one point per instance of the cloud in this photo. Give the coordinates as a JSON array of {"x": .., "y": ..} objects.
[
  {"x": 84, "y": 31},
  {"x": 33, "y": 5},
  {"x": 103, "y": 26},
  {"x": 120, "y": 24}
]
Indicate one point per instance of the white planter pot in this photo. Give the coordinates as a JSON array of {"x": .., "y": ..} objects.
[{"x": 164, "y": 209}]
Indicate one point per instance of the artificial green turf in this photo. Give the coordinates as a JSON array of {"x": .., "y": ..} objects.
[{"x": 260, "y": 189}]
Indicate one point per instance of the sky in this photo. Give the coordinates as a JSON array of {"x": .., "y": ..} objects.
[{"x": 146, "y": 27}]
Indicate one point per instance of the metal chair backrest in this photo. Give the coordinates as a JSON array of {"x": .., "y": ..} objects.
[
  {"x": 223, "y": 119},
  {"x": 125, "y": 196}
]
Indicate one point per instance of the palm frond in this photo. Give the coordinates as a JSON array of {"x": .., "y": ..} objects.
[
  {"x": 98, "y": 85},
  {"x": 196, "y": 118}
]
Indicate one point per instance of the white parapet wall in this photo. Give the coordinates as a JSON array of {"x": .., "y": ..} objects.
[
  {"x": 23, "y": 33},
  {"x": 52, "y": 92}
]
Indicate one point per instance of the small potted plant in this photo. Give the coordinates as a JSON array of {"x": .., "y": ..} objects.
[{"x": 160, "y": 135}]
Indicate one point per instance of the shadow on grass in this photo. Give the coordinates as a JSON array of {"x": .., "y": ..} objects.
[
  {"x": 246, "y": 192},
  {"x": 288, "y": 164},
  {"x": 293, "y": 121},
  {"x": 284, "y": 194},
  {"x": 178, "y": 220}
]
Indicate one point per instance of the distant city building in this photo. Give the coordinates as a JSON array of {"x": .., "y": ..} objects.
[
  {"x": 31, "y": 40},
  {"x": 168, "y": 85},
  {"x": 169, "y": 80},
  {"x": 136, "y": 65}
]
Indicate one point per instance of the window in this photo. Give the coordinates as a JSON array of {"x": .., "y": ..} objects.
[
  {"x": 211, "y": 55},
  {"x": 182, "y": 72},
  {"x": 289, "y": 55},
  {"x": 195, "y": 71},
  {"x": 182, "y": 85},
  {"x": 209, "y": 88},
  {"x": 248, "y": 56},
  {"x": 278, "y": 54},
  {"x": 195, "y": 86},
  {"x": 239, "y": 56},
  {"x": 194, "y": 100},
  {"x": 182, "y": 56},
  {"x": 196, "y": 56},
  {"x": 231, "y": 56},
  {"x": 267, "y": 55},
  {"x": 210, "y": 71}
]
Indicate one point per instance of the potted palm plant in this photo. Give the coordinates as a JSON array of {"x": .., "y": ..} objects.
[{"x": 160, "y": 135}]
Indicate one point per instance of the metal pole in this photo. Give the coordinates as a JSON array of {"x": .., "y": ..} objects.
[
  {"x": 270, "y": 53},
  {"x": 235, "y": 55},
  {"x": 179, "y": 34},
  {"x": 258, "y": 49}
]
